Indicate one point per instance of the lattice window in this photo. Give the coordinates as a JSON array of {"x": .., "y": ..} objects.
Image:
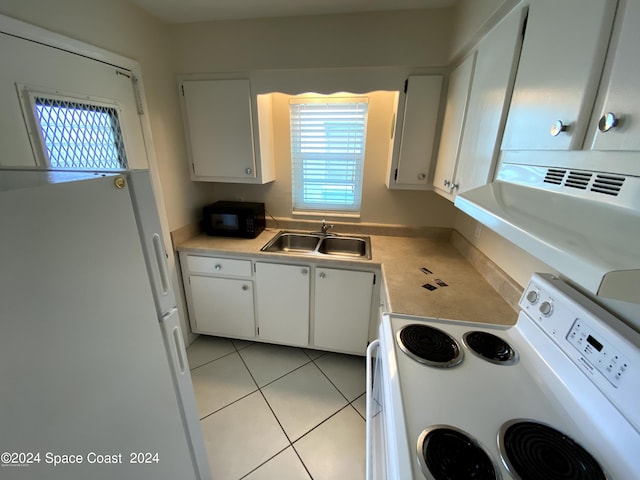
[{"x": 79, "y": 135}]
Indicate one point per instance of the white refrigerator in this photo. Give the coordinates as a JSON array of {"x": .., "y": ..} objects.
[{"x": 94, "y": 379}]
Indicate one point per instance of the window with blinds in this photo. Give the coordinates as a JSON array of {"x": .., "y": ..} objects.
[{"x": 328, "y": 136}]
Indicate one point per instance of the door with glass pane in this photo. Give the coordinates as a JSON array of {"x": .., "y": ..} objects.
[{"x": 62, "y": 110}]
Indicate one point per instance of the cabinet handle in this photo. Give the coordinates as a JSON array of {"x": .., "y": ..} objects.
[
  {"x": 248, "y": 171},
  {"x": 217, "y": 267},
  {"x": 322, "y": 275},
  {"x": 421, "y": 176},
  {"x": 304, "y": 271},
  {"x": 446, "y": 183},
  {"x": 245, "y": 287},
  {"x": 607, "y": 122},
  {"x": 453, "y": 186},
  {"x": 557, "y": 128}
]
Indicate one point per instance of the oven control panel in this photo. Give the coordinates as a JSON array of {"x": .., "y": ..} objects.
[
  {"x": 605, "y": 349},
  {"x": 598, "y": 353}
]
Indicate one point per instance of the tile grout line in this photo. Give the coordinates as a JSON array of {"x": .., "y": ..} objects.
[
  {"x": 259, "y": 389},
  {"x": 276, "y": 417},
  {"x": 211, "y": 361}
]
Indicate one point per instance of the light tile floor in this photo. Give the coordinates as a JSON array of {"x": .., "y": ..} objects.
[{"x": 275, "y": 412}]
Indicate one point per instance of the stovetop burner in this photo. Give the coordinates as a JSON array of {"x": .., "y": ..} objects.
[
  {"x": 490, "y": 347},
  {"x": 534, "y": 451},
  {"x": 448, "y": 453},
  {"x": 429, "y": 345}
]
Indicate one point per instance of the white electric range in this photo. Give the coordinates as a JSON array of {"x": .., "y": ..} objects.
[{"x": 557, "y": 396}]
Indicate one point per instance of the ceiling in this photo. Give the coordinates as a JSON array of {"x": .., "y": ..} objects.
[{"x": 184, "y": 11}]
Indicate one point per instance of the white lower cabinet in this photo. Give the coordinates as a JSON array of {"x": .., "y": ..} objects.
[
  {"x": 303, "y": 305},
  {"x": 283, "y": 303},
  {"x": 342, "y": 309},
  {"x": 222, "y": 306}
]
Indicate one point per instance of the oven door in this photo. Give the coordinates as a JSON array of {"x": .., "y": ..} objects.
[
  {"x": 377, "y": 461},
  {"x": 390, "y": 455},
  {"x": 381, "y": 462}
]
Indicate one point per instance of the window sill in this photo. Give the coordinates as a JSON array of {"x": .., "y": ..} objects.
[{"x": 324, "y": 215}]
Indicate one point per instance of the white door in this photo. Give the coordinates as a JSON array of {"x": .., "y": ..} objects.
[
  {"x": 562, "y": 56},
  {"x": 622, "y": 96},
  {"x": 342, "y": 309},
  {"x": 32, "y": 68},
  {"x": 422, "y": 104},
  {"x": 83, "y": 365},
  {"x": 222, "y": 306},
  {"x": 493, "y": 78},
  {"x": 453, "y": 124},
  {"x": 283, "y": 303},
  {"x": 219, "y": 129}
]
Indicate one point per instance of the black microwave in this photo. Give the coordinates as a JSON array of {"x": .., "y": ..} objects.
[{"x": 233, "y": 219}]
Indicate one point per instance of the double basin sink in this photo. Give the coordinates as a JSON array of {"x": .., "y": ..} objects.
[{"x": 319, "y": 244}]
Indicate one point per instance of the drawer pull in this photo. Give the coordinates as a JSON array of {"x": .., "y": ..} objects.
[{"x": 218, "y": 267}]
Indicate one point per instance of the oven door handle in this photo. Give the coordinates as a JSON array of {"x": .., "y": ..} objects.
[{"x": 369, "y": 409}]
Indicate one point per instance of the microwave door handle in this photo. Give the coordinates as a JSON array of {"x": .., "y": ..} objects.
[{"x": 369, "y": 409}]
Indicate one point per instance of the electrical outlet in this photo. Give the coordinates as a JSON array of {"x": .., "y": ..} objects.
[{"x": 478, "y": 232}]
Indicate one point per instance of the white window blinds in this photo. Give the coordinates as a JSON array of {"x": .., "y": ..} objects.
[{"x": 328, "y": 138}]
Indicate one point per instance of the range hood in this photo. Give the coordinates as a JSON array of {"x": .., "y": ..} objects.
[{"x": 585, "y": 224}]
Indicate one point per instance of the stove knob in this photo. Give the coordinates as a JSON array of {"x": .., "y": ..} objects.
[
  {"x": 546, "y": 308},
  {"x": 533, "y": 296}
]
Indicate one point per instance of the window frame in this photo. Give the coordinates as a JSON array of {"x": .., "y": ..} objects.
[
  {"x": 36, "y": 135},
  {"x": 334, "y": 208}
]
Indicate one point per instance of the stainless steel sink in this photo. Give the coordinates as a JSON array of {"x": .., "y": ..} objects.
[
  {"x": 292, "y": 242},
  {"x": 319, "y": 244},
  {"x": 346, "y": 246}
]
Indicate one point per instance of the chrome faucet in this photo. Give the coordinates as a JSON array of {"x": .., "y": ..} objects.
[{"x": 324, "y": 228}]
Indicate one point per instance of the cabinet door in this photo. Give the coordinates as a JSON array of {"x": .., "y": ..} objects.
[
  {"x": 622, "y": 95},
  {"x": 562, "y": 57},
  {"x": 493, "y": 78},
  {"x": 342, "y": 309},
  {"x": 222, "y": 306},
  {"x": 453, "y": 123},
  {"x": 419, "y": 126},
  {"x": 283, "y": 303},
  {"x": 219, "y": 129}
]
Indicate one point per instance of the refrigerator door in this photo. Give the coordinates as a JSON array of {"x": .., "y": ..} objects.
[
  {"x": 172, "y": 335},
  {"x": 141, "y": 189},
  {"x": 85, "y": 378}
]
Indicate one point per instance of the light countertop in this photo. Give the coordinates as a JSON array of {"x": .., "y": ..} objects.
[{"x": 467, "y": 295}]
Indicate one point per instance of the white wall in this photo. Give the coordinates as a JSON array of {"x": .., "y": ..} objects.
[
  {"x": 117, "y": 26},
  {"x": 416, "y": 38},
  {"x": 419, "y": 37}
]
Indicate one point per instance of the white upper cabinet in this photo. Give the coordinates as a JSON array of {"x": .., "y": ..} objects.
[
  {"x": 412, "y": 166},
  {"x": 560, "y": 67},
  {"x": 615, "y": 124},
  {"x": 453, "y": 124},
  {"x": 492, "y": 84},
  {"x": 220, "y": 120}
]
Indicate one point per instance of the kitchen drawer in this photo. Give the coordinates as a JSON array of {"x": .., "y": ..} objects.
[{"x": 219, "y": 266}]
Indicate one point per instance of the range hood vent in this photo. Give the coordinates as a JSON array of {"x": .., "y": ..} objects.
[
  {"x": 609, "y": 184},
  {"x": 584, "y": 224}
]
